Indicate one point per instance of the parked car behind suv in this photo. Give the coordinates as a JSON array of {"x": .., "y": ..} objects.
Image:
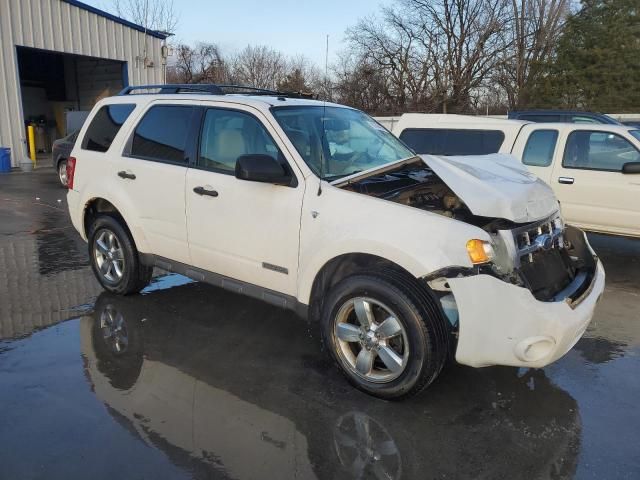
[
  {"x": 594, "y": 170},
  {"x": 60, "y": 152},
  {"x": 560, "y": 116},
  {"x": 405, "y": 260}
]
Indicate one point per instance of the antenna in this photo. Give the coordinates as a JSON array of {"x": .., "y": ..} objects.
[{"x": 324, "y": 112}]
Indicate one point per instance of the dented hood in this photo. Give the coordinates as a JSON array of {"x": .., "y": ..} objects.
[{"x": 495, "y": 186}]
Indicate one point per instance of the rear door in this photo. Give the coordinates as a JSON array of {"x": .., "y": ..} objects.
[
  {"x": 152, "y": 171},
  {"x": 588, "y": 180},
  {"x": 240, "y": 229}
]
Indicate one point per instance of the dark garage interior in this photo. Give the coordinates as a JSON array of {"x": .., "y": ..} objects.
[{"x": 58, "y": 90}]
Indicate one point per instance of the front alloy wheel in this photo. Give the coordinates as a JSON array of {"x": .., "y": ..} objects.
[
  {"x": 109, "y": 256},
  {"x": 386, "y": 332},
  {"x": 371, "y": 342}
]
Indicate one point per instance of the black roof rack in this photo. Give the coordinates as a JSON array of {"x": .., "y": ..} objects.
[
  {"x": 176, "y": 88},
  {"x": 213, "y": 89}
]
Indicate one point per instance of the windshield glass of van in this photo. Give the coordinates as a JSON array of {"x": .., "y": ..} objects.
[
  {"x": 635, "y": 133},
  {"x": 348, "y": 140}
]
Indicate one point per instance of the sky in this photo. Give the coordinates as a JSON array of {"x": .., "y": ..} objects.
[{"x": 292, "y": 27}]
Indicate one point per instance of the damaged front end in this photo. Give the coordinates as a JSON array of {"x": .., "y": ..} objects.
[{"x": 530, "y": 298}]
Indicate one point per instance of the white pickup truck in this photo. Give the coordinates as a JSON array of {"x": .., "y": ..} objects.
[{"x": 594, "y": 169}]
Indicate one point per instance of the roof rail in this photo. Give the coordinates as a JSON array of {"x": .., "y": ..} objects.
[
  {"x": 212, "y": 89},
  {"x": 176, "y": 88}
]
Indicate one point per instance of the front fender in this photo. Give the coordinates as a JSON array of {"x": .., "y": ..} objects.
[{"x": 340, "y": 222}]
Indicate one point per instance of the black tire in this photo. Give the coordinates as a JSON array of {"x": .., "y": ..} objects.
[
  {"x": 61, "y": 170},
  {"x": 420, "y": 315},
  {"x": 135, "y": 276}
]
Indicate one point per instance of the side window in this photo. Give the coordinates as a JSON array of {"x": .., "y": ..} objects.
[
  {"x": 440, "y": 141},
  {"x": 598, "y": 151},
  {"x": 228, "y": 134},
  {"x": 582, "y": 119},
  {"x": 424, "y": 141},
  {"x": 473, "y": 142},
  {"x": 162, "y": 134},
  {"x": 105, "y": 126},
  {"x": 538, "y": 152}
]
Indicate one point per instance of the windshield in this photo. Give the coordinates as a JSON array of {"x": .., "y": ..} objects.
[
  {"x": 635, "y": 133},
  {"x": 348, "y": 140}
]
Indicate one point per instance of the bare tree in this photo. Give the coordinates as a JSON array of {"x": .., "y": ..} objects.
[
  {"x": 203, "y": 63},
  {"x": 301, "y": 76},
  {"x": 258, "y": 66},
  {"x": 433, "y": 55},
  {"x": 157, "y": 15},
  {"x": 533, "y": 33}
]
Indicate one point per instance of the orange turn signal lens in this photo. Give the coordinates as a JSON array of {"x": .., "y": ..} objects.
[{"x": 479, "y": 251}]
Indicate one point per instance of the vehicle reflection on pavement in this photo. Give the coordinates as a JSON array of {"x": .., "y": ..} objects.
[{"x": 228, "y": 386}]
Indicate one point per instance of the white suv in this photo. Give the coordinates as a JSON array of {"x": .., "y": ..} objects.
[{"x": 405, "y": 260}]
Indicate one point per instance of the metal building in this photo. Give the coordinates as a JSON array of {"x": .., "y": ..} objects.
[{"x": 57, "y": 59}]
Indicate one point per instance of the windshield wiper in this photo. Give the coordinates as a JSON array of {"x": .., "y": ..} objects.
[{"x": 331, "y": 178}]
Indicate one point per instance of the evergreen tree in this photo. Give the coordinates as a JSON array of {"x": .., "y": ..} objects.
[{"x": 597, "y": 63}]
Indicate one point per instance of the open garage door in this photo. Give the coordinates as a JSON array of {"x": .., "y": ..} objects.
[{"x": 58, "y": 90}]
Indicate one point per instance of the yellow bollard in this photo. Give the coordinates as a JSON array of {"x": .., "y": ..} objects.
[{"x": 32, "y": 143}]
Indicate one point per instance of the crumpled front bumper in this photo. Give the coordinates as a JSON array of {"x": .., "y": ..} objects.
[{"x": 503, "y": 324}]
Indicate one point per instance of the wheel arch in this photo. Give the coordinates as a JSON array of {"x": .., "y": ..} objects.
[
  {"x": 342, "y": 266},
  {"x": 99, "y": 205}
]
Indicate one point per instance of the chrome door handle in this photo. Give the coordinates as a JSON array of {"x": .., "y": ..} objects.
[
  {"x": 124, "y": 174},
  {"x": 204, "y": 191},
  {"x": 566, "y": 180}
]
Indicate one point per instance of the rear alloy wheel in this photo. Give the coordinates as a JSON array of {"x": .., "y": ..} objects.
[
  {"x": 114, "y": 257},
  {"x": 109, "y": 257},
  {"x": 386, "y": 332},
  {"x": 62, "y": 172}
]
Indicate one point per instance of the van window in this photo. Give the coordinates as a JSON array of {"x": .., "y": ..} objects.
[
  {"x": 162, "y": 134},
  {"x": 105, "y": 126},
  {"x": 597, "y": 150},
  {"x": 538, "y": 152},
  {"x": 443, "y": 141}
]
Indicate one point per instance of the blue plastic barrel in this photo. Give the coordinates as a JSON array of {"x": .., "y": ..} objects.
[{"x": 5, "y": 160}]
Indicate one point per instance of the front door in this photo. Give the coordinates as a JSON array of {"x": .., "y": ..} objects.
[
  {"x": 240, "y": 229},
  {"x": 593, "y": 191}
]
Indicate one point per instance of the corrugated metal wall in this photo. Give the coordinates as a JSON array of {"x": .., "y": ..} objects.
[{"x": 61, "y": 27}]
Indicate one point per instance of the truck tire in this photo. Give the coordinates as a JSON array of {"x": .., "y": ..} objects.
[
  {"x": 114, "y": 257},
  {"x": 386, "y": 333}
]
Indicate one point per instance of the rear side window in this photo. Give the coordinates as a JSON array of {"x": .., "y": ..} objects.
[
  {"x": 162, "y": 134},
  {"x": 441, "y": 141},
  {"x": 105, "y": 126},
  {"x": 538, "y": 152}
]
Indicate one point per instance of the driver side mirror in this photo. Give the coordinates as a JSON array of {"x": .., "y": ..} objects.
[
  {"x": 631, "y": 167},
  {"x": 262, "y": 168}
]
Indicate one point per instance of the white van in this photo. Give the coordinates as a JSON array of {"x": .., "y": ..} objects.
[{"x": 593, "y": 169}]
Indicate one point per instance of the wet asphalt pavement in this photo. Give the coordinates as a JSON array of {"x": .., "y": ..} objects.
[{"x": 189, "y": 381}]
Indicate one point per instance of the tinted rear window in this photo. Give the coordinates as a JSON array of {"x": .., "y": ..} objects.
[
  {"x": 162, "y": 134},
  {"x": 441, "y": 141},
  {"x": 105, "y": 126}
]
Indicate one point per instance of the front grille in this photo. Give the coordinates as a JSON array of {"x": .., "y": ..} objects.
[
  {"x": 542, "y": 258},
  {"x": 540, "y": 236}
]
